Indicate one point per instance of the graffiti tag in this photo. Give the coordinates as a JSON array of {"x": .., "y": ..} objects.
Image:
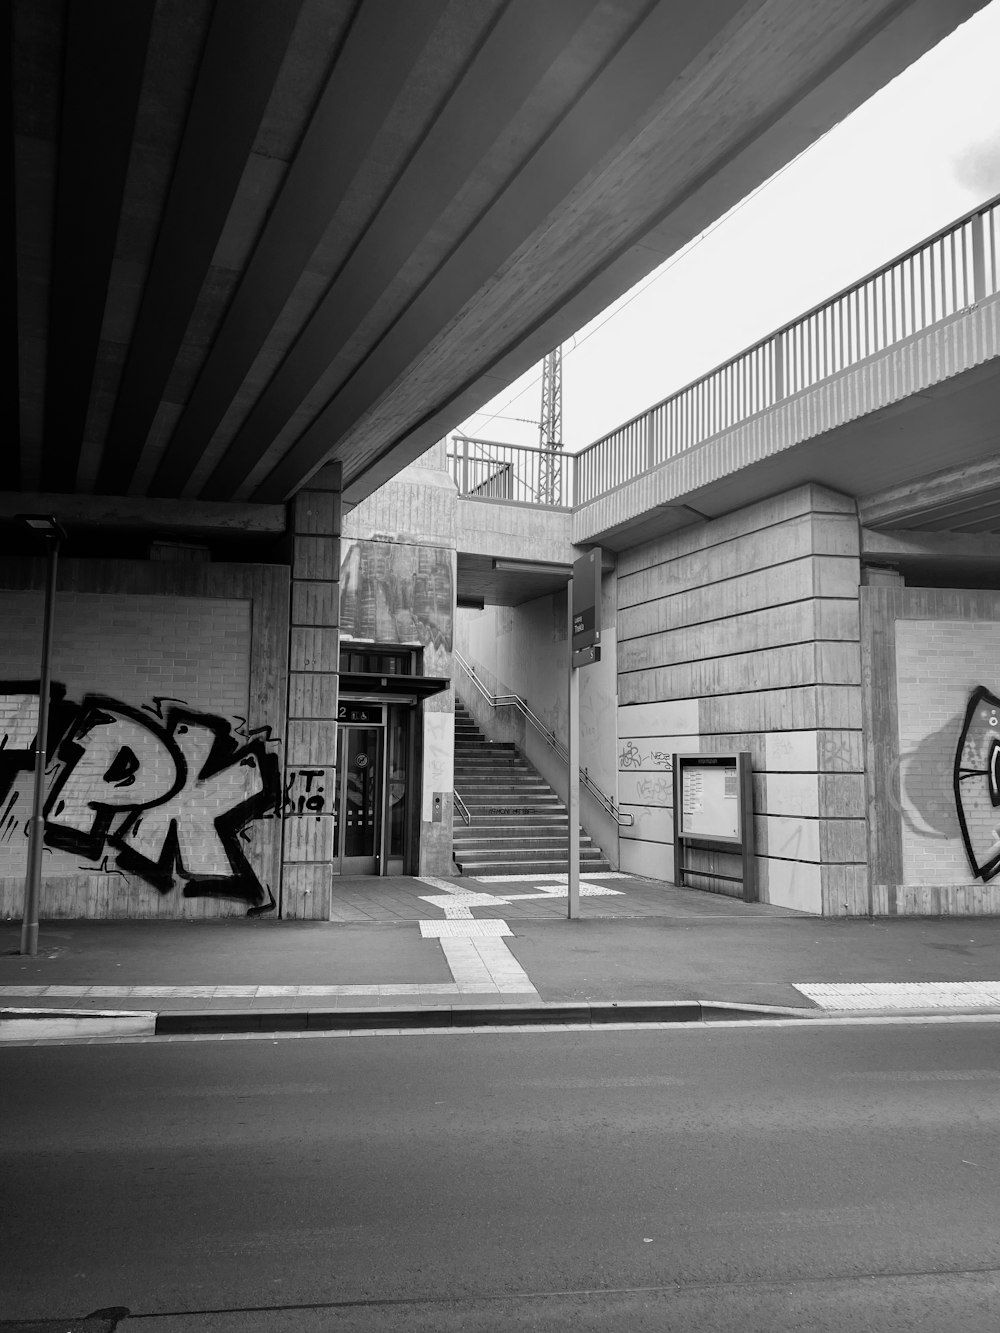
[
  {"x": 977, "y": 783},
  {"x": 170, "y": 795}
]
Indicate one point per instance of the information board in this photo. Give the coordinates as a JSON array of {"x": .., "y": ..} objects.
[
  {"x": 713, "y": 813},
  {"x": 710, "y": 804}
]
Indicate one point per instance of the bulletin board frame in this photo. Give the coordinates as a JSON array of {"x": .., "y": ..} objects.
[{"x": 716, "y": 838}]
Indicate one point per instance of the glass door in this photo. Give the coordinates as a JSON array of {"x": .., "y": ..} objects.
[{"x": 360, "y": 778}]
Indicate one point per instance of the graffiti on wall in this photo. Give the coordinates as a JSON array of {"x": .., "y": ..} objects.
[
  {"x": 977, "y": 783},
  {"x": 162, "y": 792}
]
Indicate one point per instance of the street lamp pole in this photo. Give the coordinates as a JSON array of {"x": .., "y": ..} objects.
[{"x": 36, "y": 825}]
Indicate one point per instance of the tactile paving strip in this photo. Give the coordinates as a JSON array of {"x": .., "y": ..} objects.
[
  {"x": 463, "y": 929},
  {"x": 902, "y": 994}
]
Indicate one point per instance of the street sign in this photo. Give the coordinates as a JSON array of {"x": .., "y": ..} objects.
[
  {"x": 587, "y": 602},
  {"x": 587, "y": 656}
]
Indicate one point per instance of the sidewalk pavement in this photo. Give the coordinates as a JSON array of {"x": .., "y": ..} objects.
[{"x": 407, "y": 952}]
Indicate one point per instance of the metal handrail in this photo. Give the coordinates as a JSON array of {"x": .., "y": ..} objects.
[
  {"x": 516, "y": 702},
  {"x": 463, "y": 809}
]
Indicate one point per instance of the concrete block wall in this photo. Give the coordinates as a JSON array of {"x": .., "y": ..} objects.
[
  {"x": 309, "y": 845},
  {"x": 741, "y": 633},
  {"x": 925, "y": 651},
  {"x": 163, "y": 785},
  {"x": 404, "y": 535}
]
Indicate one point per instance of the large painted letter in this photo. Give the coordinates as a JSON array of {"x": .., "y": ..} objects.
[
  {"x": 196, "y": 830},
  {"x": 977, "y": 783},
  {"x": 114, "y": 759}
]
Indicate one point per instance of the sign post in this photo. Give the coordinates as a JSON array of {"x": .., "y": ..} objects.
[{"x": 584, "y": 603}]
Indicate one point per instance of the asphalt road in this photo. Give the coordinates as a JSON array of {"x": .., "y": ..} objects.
[{"x": 773, "y": 1178}]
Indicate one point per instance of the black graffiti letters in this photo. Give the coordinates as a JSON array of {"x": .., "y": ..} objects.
[
  {"x": 977, "y": 783},
  {"x": 170, "y": 795}
]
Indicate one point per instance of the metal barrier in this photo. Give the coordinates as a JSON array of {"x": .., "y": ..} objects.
[
  {"x": 937, "y": 279},
  {"x": 489, "y": 470}
]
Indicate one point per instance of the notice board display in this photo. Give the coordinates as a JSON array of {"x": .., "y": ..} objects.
[
  {"x": 710, "y": 800},
  {"x": 713, "y": 808}
]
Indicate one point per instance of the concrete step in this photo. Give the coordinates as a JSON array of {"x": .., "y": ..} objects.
[
  {"x": 544, "y": 817},
  {"x": 518, "y": 823},
  {"x": 487, "y": 763},
  {"x": 511, "y": 803},
  {"x": 505, "y": 779},
  {"x": 541, "y": 866},
  {"x": 471, "y": 863},
  {"x": 518, "y": 847}
]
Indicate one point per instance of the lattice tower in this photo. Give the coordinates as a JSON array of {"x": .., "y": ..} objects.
[{"x": 550, "y": 430}]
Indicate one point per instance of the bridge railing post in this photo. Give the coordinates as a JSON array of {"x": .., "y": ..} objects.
[{"x": 979, "y": 225}]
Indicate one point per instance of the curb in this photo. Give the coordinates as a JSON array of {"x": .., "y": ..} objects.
[
  {"x": 46, "y": 1024},
  {"x": 574, "y": 1014}
]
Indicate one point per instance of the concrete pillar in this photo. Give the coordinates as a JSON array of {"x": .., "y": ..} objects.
[{"x": 311, "y": 737}]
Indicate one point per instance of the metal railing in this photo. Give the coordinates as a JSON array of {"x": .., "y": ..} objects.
[
  {"x": 935, "y": 280},
  {"x": 548, "y": 735},
  {"x": 489, "y": 470},
  {"x": 462, "y": 809}
]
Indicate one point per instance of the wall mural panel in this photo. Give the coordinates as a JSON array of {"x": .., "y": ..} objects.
[
  {"x": 977, "y": 783},
  {"x": 162, "y": 792},
  {"x": 391, "y": 592}
]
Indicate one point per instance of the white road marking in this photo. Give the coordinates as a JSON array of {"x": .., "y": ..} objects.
[
  {"x": 442, "y": 885},
  {"x": 902, "y": 994},
  {"x": 486, "y": 964},
  {"x": 456, "y": 907},
  {"x": 463, "y": 929},
  {"x": 586, "y": 891}
]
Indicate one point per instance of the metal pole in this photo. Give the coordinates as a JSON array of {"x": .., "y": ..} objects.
[
  {"x": 36, "y": 825},
  {"x": 573, "y": 746}
]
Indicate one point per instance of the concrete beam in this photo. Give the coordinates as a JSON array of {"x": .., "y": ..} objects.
[
  {"x": 912, "y": 544},
  {"x": 190, "y": 517},
  {"x": 955, "y": 485}
]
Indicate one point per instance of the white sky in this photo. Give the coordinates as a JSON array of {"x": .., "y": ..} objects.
[{"x": 917, "y": 155}]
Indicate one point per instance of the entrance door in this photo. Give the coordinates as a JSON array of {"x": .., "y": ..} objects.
[{"x": 360, "y": 777}]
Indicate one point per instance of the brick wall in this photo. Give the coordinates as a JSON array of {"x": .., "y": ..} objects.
[
  {"x": 134, "y": 648},
  {"x": 164, "y": 777}
]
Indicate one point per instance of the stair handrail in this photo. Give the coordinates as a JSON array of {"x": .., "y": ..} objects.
[
  {"x": 462, "y": 809},
  {"x": 622, "y": 818}
]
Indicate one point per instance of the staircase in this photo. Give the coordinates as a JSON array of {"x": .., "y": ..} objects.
[{"x": 518, "y": 824}]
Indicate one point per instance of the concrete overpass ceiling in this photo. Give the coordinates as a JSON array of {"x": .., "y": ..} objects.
[
  {"x": 478, "y": 580},
  {"x": 253, "y": 235}
]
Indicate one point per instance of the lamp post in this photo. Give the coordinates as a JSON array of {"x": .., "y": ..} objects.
[{"x": 54, "y": 535}]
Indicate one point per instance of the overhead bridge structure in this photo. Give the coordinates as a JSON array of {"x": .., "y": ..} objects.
[{"x": 264, "y": 256}]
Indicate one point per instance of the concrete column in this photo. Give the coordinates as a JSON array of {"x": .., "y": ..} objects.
[{"x": 311, "y": 736}]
